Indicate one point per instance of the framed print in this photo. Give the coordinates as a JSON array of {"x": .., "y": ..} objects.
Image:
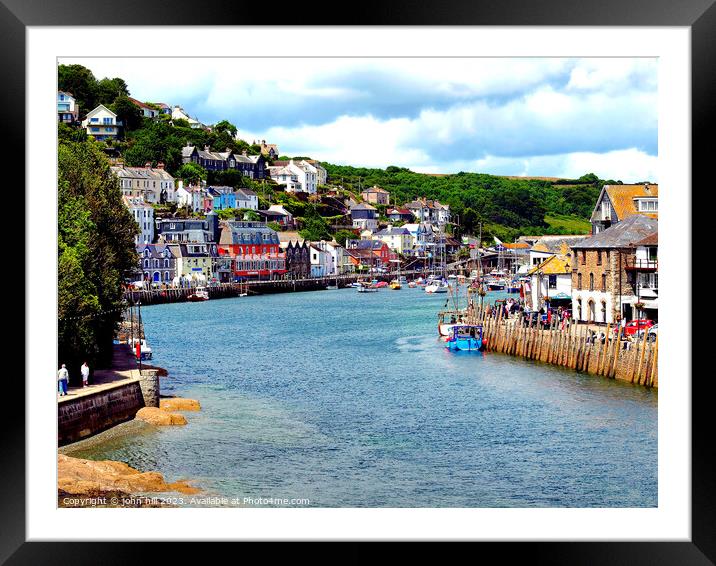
[{"x": 388, "y": 279}]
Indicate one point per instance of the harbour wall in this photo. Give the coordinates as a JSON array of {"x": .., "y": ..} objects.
[
  {"x": 93, "y": 412},
  {"x": 574, "y": 347},
  {"x": 226, "y": 290}
]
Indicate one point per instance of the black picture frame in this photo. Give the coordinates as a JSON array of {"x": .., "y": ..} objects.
[{"x": 698, "y": 15}]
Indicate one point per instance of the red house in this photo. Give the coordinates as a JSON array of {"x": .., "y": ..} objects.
[{"x": 254, "y": 250}]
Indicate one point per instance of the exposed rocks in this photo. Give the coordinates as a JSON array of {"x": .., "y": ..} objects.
[
  {"x": 160, "y": 417},
  {"x": 88, "y": 478},
  {"x": 179, "y": 404}
]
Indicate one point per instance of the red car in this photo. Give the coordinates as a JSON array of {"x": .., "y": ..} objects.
[{"x": 634, "y": 326}]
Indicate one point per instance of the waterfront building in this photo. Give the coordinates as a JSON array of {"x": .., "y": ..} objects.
[
  {"x": 375, "y": 251},
  {"x": 375, "y": 195},
  {"x": 176, "y": 230},
  {"x": 298, "y": 258},
  {"x": 102, "y": 124},
  {"x": 618, "y": 202},
  {"x": 153, "y": 184},
  {"x": 645, "y": 267},
  {"x": 196, "y": 262},
  {"x": 545, "y": 247},
  {"x": 157, "y": 263},
  {"x": 321, "y": 261},
  {"x": 144, "y": 217},
  {"x": 254, "y": 249},
  {"x": 423, "y": 238},
  {"x": 550, "y": 282},
  {"x": 606, "y": 273},
  {"x": 337, "y": 261},
  {"x": 398, "y": 239},
  {"x": 364, "y": 216},
  {"x": 67, "y": 109}
]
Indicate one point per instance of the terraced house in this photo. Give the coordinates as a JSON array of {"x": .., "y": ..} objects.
[
  {"x": 605, "y": 271},
  {"x": 153, "y": 184},
  {"x": 252, "y": 166},
  {"x": 253, "y": 248},
  {"x": 616, "y": 203},
  {"x": 157, "y": 263}
]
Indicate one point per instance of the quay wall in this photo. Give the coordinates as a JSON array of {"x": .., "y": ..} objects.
[
  {"x": 573, "y": 347},
  {"x": 92, "y": 413},
  {"x": 226, "y": 290}
]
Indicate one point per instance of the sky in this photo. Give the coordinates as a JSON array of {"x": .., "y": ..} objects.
[{"x": 552, "y": 117}]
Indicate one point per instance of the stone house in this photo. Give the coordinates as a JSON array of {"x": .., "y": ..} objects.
[
  {"x": 618, "y": 202},
  {"x": 604, "y": 278}
]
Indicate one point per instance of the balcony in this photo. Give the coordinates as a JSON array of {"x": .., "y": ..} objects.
[{"x": 642, "y": 264}]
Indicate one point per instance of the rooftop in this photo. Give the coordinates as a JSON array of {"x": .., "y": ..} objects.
[{"x": 624, "y": 234}]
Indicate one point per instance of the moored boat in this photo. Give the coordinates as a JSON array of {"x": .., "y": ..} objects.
[
  {"x": 465, "y": 338},
  {"x": 437, "y": 286},
  {"x": 395, "y": 285},
  {"x": 199, "y": 295}
]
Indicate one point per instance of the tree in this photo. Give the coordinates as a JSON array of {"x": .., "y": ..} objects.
[
  {"x": 128, "y": 113},
  {"x": 191, "y": 173},
  {"x": 227, "y": 127},
  {"x": 80, "y": 83},
  {"x": 95, "y": 249},
  {"x": 108, "y": 90},
  {"x": 315, "y": 229},
  {"x": 342, "y": 235}
]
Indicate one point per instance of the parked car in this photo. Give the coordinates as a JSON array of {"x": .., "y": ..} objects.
[
  {"x": 634, "y": 326},
  {"x": 650, "y": 333}
]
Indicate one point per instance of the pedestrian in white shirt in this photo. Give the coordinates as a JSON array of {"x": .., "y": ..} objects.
[
  {"x": 84, "y": 370},
  {"x": 62, "y": 377}
]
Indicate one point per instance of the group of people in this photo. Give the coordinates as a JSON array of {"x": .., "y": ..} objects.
[{"x": 63, "y": 378}]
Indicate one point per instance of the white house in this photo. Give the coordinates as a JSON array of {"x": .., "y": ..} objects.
[
  {"x": 146, "y": 110},
  {"x": 287, "y": 176},
  {"x": 66, "y": 107},
  {"x": 336, "y": 263},
  {"x": 143, "y": 216},
  {"x": 321, "y": 261},
  {"x": 398, "y": 239},
  {"x": 101, "y": 123},
  {"x": 178, "y": 113},
  {"x": 154, "y": 184},
  {"x": 246, "y": 198},
  {"x": 550, "y": 281}
]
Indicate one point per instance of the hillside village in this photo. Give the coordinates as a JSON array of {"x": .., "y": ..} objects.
[{"x": 242, "y": 211}]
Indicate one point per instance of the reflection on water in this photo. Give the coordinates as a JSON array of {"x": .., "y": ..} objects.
[{"x": 350, "y": 399}]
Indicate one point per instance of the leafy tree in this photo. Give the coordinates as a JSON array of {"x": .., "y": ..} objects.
[
  {"x": 275, "y": 226},
  {"x": 315, "y": 228},
  {"x": 226, "y": 127},
  {"x": 108, "y": 90},
  {"x": 191, "y": 173},
  {"x": 69, "y": 134},
  {"x": 342, "y": 235},
  {"x": 128, "y": 113},
  {"x": 95, "y": 250},
  {"x": 80, "y": 83}
]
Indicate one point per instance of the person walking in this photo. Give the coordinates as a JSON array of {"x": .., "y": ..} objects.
[
  {"x": 63, "y": 377},
  {"x": 84, "y": 370}
]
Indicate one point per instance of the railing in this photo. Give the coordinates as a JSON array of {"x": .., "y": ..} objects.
[{"x": 633, "y": 263}]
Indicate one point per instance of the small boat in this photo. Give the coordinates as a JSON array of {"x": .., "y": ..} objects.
[
  {"x": 465, "y": 338},
  {"x": 145, "y": 352},
  {"x": 199, "y": 295},
  {"x": 447, "y": 320},
  {"x": 380, "y": 284},
  {"x": 395, "y": 285},
  {"x": 412, "y": 284},
  {"x": 403, "y": 280},
  {"x": 437, "y": 286},
  {"x": 331, "y": 287},
  {"x": 513, "y": 287},
  {"x": 356, "y": 284},
  {"x": 367, "y": 288}
]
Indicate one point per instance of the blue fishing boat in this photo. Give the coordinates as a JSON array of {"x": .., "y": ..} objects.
[{"x": 465, "y": 337}]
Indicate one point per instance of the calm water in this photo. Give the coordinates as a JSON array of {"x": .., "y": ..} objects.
[{"x": 349, "y": 399}]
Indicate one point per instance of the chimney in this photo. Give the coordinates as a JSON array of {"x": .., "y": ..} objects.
[
  {"x": 244, "y": 153},
  {"x": 646, "y": 187},
  {"x": 206, "y": 148},
  {"x": 160, "y": 165},
  {"x": 148, "y": 165}
]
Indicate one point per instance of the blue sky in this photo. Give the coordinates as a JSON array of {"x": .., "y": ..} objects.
[{"x": 543, "y": 117}]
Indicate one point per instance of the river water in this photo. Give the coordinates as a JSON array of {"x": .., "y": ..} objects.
[{"x": 350, "y": 400}]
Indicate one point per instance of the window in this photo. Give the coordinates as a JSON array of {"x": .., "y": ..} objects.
[
  {"x": 552, "y": 281},
  {"x": 584, "y": 257},
  {"x": 579, "y": 280},
  {"x": 599, "y": 257},
  {"x": 591, "y": 281},
  {"x": 604, "y": 282},
  {"x": 648, "y": 205}
]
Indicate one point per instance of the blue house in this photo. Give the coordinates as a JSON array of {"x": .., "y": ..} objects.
[{"x": 224, "y": 197}]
